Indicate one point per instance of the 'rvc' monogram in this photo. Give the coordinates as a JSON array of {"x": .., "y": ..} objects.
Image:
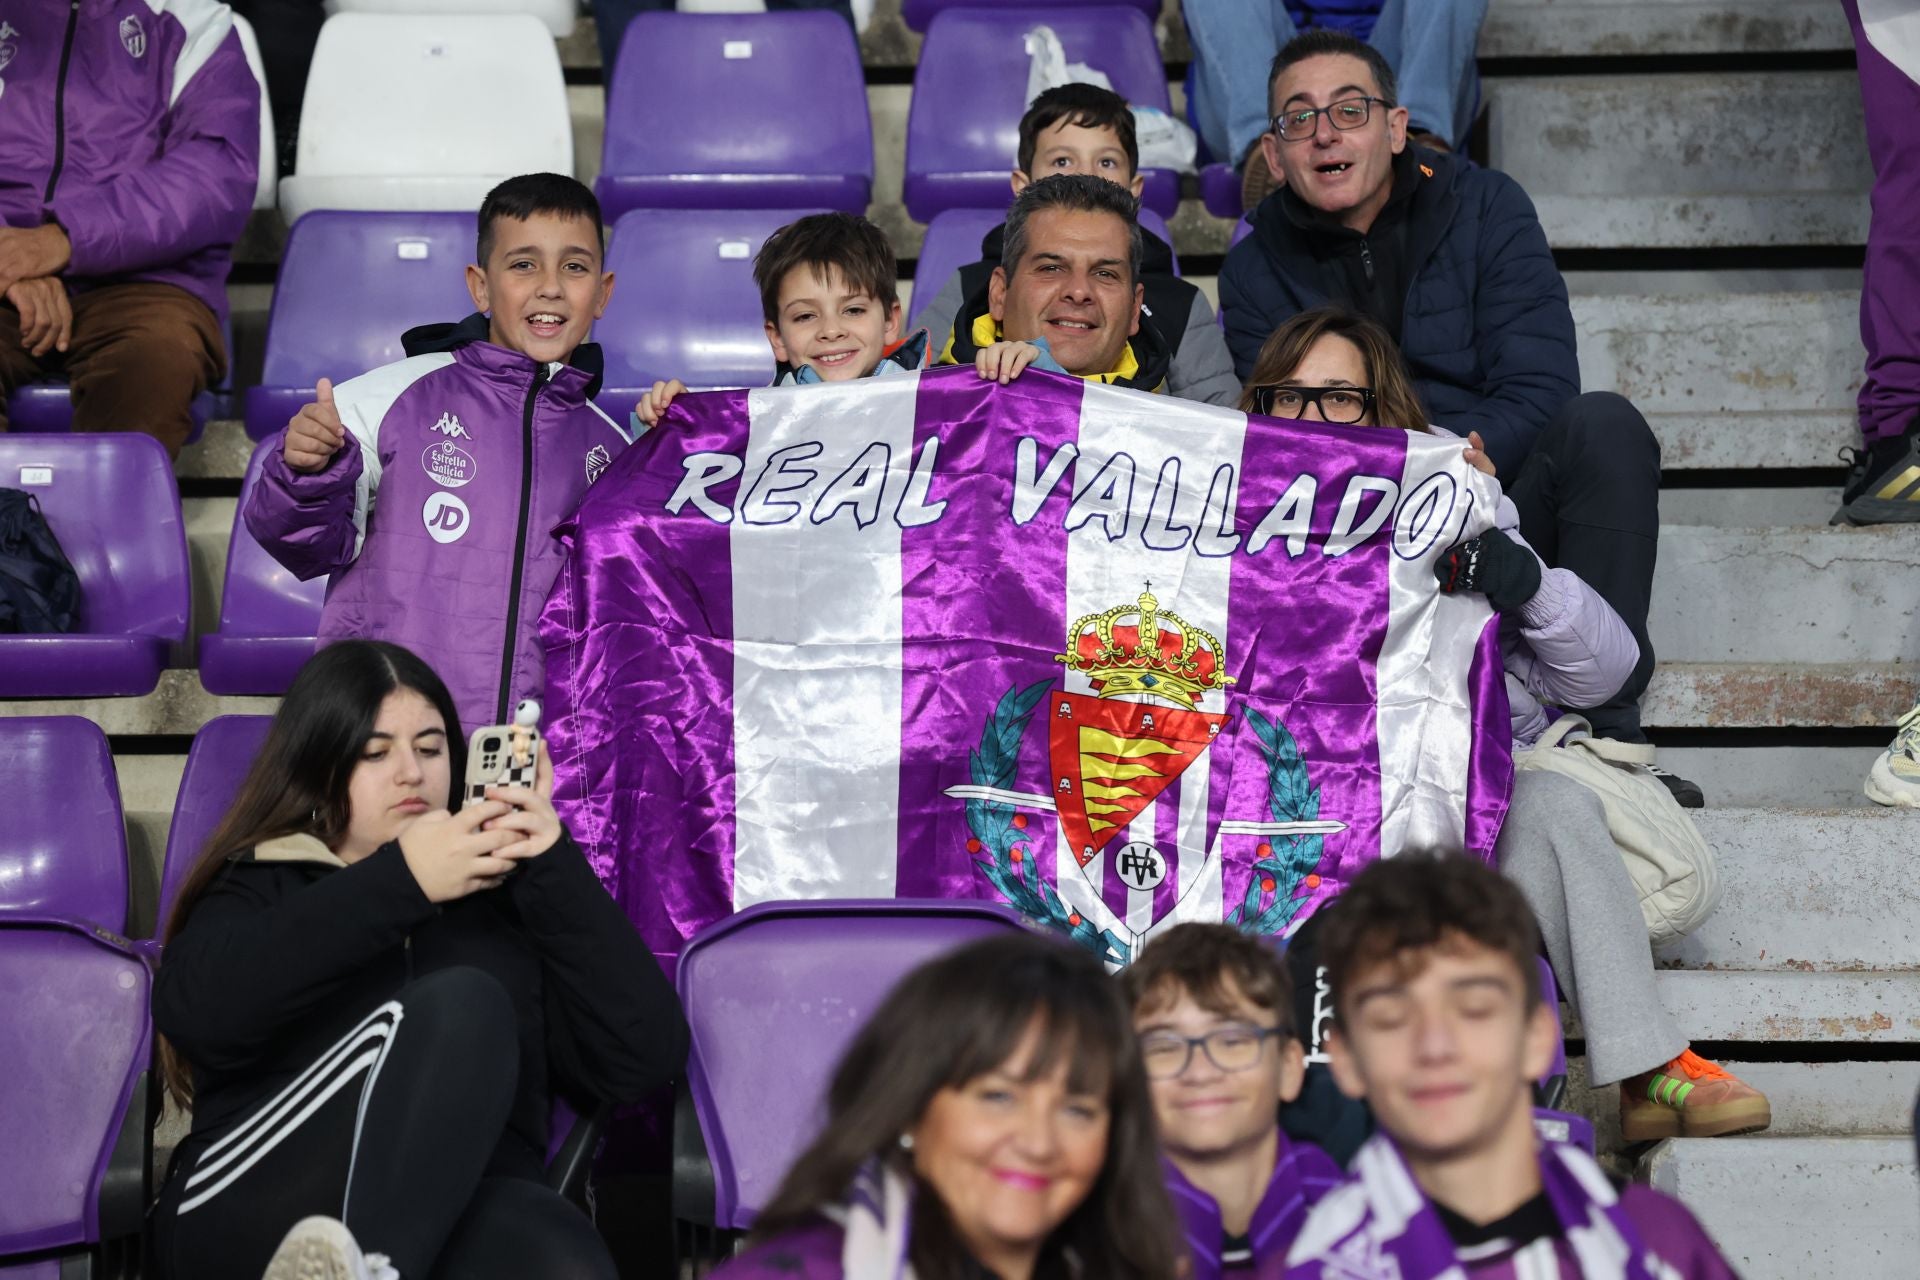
[
  {"x": 449, "y": 426},
  {"x": 445, "y": 516}
]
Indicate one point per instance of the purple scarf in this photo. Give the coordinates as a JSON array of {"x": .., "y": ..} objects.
[
  {"x": 1381, "y": 1226},
  {"x": 1301, "y": 1176}
]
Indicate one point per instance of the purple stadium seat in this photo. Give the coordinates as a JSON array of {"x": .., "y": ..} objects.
[
  {"x": 73, "y": 1002},
  {"x": 1241, "y": 230},
  {"x": 1548, "y": 1120},
  {"x": 112, "y": 502},
  {"x": 65, "y": 854},
  {"x": 1220, "y": 190},
  {"x": 804, "y": 976},
  {"x": 953, "y": 241},
  {"x": 689, "y": 308},
  {"x": 268, "y": 617},
  {"x": 919, "y": 13},
  {"x": 221, "y": 754},
  {"x": 350, "y": 284},
  {"x": 741, "y": 77},
  {"x": 40, "y": 407},
  {"x": 963, "y": 127}
]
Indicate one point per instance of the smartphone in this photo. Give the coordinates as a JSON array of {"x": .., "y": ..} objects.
[{"x": 503, "y": 755}]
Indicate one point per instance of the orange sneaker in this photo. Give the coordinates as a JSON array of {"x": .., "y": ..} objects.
[{"x": 1690, "y": 1097}]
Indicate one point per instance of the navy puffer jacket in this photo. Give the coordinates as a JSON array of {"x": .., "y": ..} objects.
[{"x": 1486, "y": 332}]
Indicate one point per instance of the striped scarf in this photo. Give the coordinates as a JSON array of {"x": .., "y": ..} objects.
[{"x": 1381, "y": 1226}]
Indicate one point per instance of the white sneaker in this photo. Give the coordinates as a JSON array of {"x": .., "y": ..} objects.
[
  {"x": 320, "y": 1248},
  {"x": 1895, "y": 778}
]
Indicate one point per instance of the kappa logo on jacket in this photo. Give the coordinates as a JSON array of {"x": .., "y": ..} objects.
[
  {"x": 449, "y": 426},
  {"x": 133, "y": 36}
]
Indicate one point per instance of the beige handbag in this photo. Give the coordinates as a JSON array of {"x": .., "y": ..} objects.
[{"x": 1670, "y": 863}]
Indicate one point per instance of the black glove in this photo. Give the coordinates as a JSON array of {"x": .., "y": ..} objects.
[{"x": 1493, "y": 564}]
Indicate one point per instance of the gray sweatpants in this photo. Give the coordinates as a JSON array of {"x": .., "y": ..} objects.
[{"x": 1555, "y": 846}]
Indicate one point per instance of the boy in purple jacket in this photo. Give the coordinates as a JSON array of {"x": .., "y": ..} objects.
[
  {"x": 428, "y": 489},
  {"x": 1440, "y": 1026},
  {"x": 1214, "y": 1012}
]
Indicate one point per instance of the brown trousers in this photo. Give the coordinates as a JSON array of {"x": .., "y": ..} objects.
[{"x": 138, "y": 356}]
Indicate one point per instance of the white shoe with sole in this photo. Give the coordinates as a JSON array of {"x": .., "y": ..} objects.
[
  {"x": 320, "y": 1248},
  {"x": 1895, "y": 777}
]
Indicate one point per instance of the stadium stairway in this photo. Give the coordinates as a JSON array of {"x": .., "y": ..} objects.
[{"x": 1700, "y": 169}]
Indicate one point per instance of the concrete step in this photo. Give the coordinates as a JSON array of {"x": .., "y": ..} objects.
[
  {"x": 220, "y": 453},
  {"x": 1787, "y": 594},
  {"x": 1797, "y": 777},
  {"x": 1792, "y": 1208},
  {"x": 1808, "y": 891},
  {"x": 1751, "y": 508},
  {"x": 1792, "y": 1008},
  {"x": 1736, "y": 379},
  {"x": 1760, "y": 695},
  {"x": 1647, "y": 161},
  {"x": 178, "y": 706},
  {"x": 1640, "y": 28}
]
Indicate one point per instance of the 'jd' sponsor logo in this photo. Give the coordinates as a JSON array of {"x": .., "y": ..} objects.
[{"x": 445, "y": 516}]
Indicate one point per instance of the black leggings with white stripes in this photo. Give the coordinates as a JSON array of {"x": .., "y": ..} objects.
[{"x": 392, "y": 1131}]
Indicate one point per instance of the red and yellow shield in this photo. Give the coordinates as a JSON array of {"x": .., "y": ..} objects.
[{"x": 1111, "y": 758}]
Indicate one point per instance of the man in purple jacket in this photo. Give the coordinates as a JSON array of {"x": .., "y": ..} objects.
[{"x": 129, "y": 146}]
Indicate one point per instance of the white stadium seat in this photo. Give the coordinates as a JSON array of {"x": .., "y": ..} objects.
[
  {"x": 559, "y": 15},
  {"x": 427, "y": 112},
  {"x": 263, "y": 190}
]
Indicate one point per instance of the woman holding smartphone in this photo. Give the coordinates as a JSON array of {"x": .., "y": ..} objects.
[{"x": 371, "y": 994}]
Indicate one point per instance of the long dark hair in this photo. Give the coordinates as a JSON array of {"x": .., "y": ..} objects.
[
  {"x": 1396, "y": 402},
  {"x": 298, "y": 782},
  {"x": 953, "y": 1020}
]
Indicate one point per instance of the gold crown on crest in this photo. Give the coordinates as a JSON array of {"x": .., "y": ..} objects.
[{"x": 1137, "y": 648}]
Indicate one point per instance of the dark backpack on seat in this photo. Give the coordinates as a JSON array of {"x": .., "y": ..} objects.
[{"x": 39, "y": 591}]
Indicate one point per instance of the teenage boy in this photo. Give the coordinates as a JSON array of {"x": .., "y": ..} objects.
[
  {"x": 830, "y": 297},
  {"x": 427, "y": 488},
  {"x": 1440, "y": 1026},
  {"x": 1067, "y": 297},
  {"x": 1452, "y": 261},
  {"x": 1082, "y": 128},
  {"x": 1214, "y": 1011}
]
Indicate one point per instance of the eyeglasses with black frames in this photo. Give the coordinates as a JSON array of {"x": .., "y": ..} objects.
[
  {"x": 1344, "y": 405},
  {"x": 1233, "y": 1048},
  {"x": 1301, "y": 123}
]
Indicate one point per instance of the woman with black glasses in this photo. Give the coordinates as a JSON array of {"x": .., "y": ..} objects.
[{"x": 1564, "y": 646}]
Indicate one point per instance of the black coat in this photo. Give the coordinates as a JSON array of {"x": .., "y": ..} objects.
[
  {"x": 287, "y": 950},
  {"x": 1485, "y": 327}
]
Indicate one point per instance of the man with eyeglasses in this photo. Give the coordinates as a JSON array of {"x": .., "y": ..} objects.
[
  {"x": 1452, "y": 260},
  {"x": 1214, "y": 1010}
]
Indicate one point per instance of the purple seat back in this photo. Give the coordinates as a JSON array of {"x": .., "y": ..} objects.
[
  {"x": 1550, "y": 994},
  {"x": 74, "y": 1037},
  {"x": 113, "y": 503},
  {"x": 218, "y": 761},
  {"x": 1220, "y": 189},
  {"x": 350, "y": 284},
  {"x": 689, "y": 308},
  {"x": 268, "y": 617},
  {"x": 65, "y": 855},
  {"x": 953, "y": 241},
  {"x": 919, "y": 13},
  {"x": 963, "y": 127},
  {"x": 773, "y": 995},
  {"x": 1241, "y": 230},
  {"x": 780, "y": 101}
]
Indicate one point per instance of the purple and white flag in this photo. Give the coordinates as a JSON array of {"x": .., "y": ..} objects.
[{"x": 1116, "y": 659}]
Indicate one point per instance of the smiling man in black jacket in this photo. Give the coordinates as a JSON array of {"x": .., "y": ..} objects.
[{"x": 1451, "y": 258}]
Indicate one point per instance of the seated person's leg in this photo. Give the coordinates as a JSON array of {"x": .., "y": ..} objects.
[
  {"x": 1556, "y": 847},
  {"x": 1431, "y": 47},
  {"x": 515, "y": 1228},
  {"x": 1234, "y": 42},
  {"x": 17, "y": 365},
  {"x": 402, "y": 1143},
  {"x": 140, "y": 354},
  {"x": 1589, "y": 501}
]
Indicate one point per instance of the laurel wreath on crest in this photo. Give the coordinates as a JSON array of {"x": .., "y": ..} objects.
[
  {"x": 1010, "y": 866},
  {"x": 1292, "y": 798}
]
